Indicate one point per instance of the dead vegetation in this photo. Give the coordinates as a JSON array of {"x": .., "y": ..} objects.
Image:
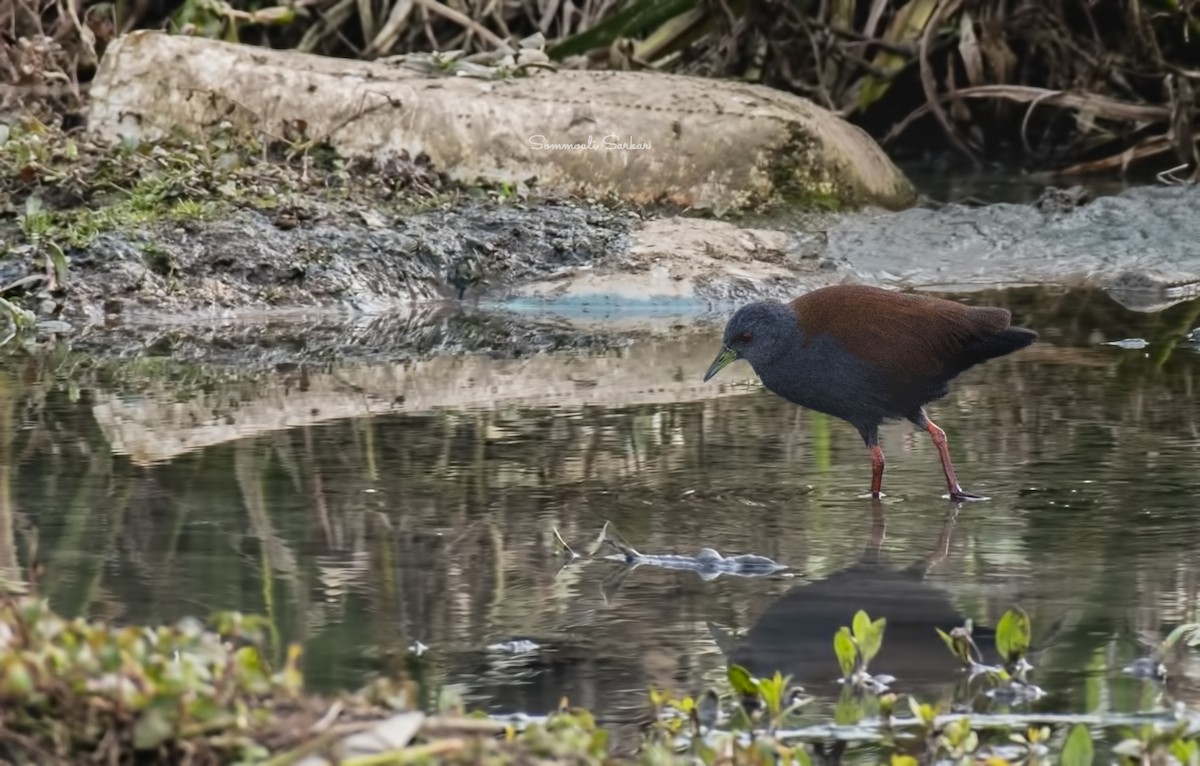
[
  {"x": 1073, "y": 85},
  {"x": 1066, "y": 84}
]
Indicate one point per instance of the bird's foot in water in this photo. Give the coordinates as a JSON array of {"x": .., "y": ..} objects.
[
  {"x": 960, "y": 495},
  {"x": 872, "y": 496}
]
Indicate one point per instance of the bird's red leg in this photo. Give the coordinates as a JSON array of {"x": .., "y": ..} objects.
[
  {"x": 876, "y": 470},
  {"x": 943, "y": 448}
]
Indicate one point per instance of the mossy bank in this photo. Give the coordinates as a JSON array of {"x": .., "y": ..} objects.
[
  {"x": 92, "y": 231},
  {"x": 95, "y": 237}
]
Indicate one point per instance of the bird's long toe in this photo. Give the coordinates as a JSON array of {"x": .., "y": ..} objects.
[{"x": 961, "y": 495}]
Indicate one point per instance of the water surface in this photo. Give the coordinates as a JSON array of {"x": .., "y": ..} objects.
[{"x": 367, "y": 506}]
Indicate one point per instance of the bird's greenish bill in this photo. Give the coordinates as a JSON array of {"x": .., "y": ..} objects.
[{"x": 726, "y": 356}]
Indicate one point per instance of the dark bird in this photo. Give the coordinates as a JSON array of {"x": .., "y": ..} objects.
[{"x": 869, "y": 355}]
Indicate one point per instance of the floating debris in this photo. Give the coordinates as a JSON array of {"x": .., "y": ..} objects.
[
  {"x": 1146, "y": 667},
  {"x": 520, "y": 646},
  {"x": 1016, "y": 691},
  {"x": 1129, "y": 343},
  {"x": 875, "y": 684},
  {"x": 565, "y": 548},
  {"x": 707, "y": 563},
  {"x": 417, "y": 648}
]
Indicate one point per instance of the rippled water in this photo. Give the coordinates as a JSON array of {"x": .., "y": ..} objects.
[{"x": 365, "y": 507}]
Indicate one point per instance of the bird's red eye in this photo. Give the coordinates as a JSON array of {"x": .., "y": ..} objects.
[{"x": 745, "y": 337}]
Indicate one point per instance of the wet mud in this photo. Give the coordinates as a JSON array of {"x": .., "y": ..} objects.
[
  {"x": 510, "y": 278},
  {"x": 322, "y": 255}
]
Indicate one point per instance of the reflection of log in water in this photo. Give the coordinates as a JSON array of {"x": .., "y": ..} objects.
[{"x": 795, "y": 634}]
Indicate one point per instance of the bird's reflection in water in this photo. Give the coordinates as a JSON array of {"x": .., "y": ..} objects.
[{"x": 795, "y": 634}]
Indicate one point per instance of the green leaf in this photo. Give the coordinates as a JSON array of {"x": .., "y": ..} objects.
[
  {"x": 1186, "y": 751},
  {"x": 906, "y": 27},
  {"x": 847, "y": 652},
  {"x": 861, "y": 626},
  {"x": 741, "y": 681},
  {"x": 949, "y": 642},
  {"x": 17, "y": 679},
  {"x": 914, "y": 706},
  {"x": 598, "y": 745},
  {"x": 152, "y": 729},
  {"x": 923, "y": 713},
  {"x": 872, "y": 641},
  {"x": 958, "y": 641},
  {"x": 970, "y": 742},
  {"x": 59, "y": 259},
  {"x": 634, "y": 20},
  {"x": 801, "y": 754},
  {"x": 771, "y": 690},
  {"x": 20, "y": 317},
  {"x": 1189, "y": 629},
  {"x": 279, "y": 15},
  {"x": 887, "y": 704},
  {"x": 1078, "y": 749},
  {"x": 1012, "y": 635}
]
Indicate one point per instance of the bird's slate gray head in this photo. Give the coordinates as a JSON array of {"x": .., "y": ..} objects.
[{"x": 759, "y": 333}]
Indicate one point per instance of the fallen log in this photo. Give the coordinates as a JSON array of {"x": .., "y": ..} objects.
[{"x": 643, "y": 137}]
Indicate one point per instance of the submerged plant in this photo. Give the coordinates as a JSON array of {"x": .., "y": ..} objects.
[
  {"x": 1153, "y": 666},
  {"x": 775, "y": 697},
  {"x": 1013, "y": 637}
]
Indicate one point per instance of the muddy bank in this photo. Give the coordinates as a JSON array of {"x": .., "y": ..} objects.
[
  {"x": 573, "y": 258},
  {"x": 361, "y": 260},
  {"x": 195, "y": 242},
  {"x": 562, "y": 257}
]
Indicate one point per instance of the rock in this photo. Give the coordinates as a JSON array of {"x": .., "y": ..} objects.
[
  {"x": 678, "y": 259},
  {"x": 644, "y": 137}
]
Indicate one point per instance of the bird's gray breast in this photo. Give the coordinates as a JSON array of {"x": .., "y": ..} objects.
[{"x": 823, "y": 376}]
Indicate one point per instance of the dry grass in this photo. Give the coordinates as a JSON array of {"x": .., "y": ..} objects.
[
  {"x": 1051, "y": 83},
  {"x": 45, "y": 49}
]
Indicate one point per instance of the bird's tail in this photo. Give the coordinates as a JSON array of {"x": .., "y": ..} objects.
[{"x": 1001, "y": 343}]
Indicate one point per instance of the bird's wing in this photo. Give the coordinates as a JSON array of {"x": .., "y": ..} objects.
[{"x": 909, "y": 335}]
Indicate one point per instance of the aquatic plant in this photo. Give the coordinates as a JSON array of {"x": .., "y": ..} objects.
[
  {"x": 74, "y": 690},
  {"x": 856, "y": 646},
  {"x": 77, "y": 685},
  {"x": 1013, "y": 636},
  {"x": 912, "y": 732}
]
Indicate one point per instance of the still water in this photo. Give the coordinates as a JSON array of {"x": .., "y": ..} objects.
[{"x": 365, "y": 507}]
